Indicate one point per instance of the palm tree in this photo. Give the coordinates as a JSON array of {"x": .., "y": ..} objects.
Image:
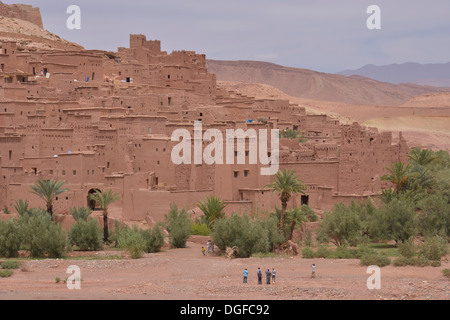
[
  {"x": 422, "y": 157},
  {"x": 399, "y": 175},
  {"x": 286, "y": 183},
  {"x": 213, "y": 209},
  {"x": 80, "y": 213},
  {"x": 297, "y": 216},
  {"x": 47, "y": 190},
  {"x": 104, "y": 200},
  {"x": 21, "y": 207}
]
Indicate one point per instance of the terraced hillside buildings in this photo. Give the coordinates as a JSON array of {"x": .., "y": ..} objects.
[{"x": 104, "y": 120}]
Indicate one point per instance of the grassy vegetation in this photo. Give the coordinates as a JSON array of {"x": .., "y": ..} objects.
[{"x": 6, "y": 273}]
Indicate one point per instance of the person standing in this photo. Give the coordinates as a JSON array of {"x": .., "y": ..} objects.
[
  {"x": 259, "y": 273},
  {"x": 313, "y": 273},
  {"x": 208, "y": 247},
  {"x": 273, "y": 275},
  {"x": 268, "y": 276},
  {"x": 245, "y": 275}
]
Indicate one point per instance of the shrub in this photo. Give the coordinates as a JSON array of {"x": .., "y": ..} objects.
[
  {"x": 10, "y": 265},
  {"x": 309, "y": 213},
  {"x": 308, "y": 238},
  {"x": 407, "y": 248},
  {"x": 178, "y": 225},
  {"x": 323, "y": 252},
  {"x": 402, "y": 262},
  {"x": 434, "y": 248},
  {"x": 154, "y": 239},
  {"x": 9, "y": 239},
  {"x": 374, "y": 259},
  {"x": 420, "y": 261},
  {"x": 6, "y": 273},
  {"x": 86, "y": 235},
  {"x": 133, "y": 241},
  {"x": 308, "y": 253},
  {"x": 41, "y": 237},
  {"x": 250, "y": 237},
  {"x": 344, "y": 253},
  {"x": 322, "y": 237},
  {"x": 435, "y": 264},
  {"x": 274, "y": 236},
  {"x": 446, "y": 273},
  {"x": 118, "y": 229},
  {"x": 200, "y": 229}
]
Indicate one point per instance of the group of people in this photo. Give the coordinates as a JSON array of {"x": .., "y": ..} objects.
[
  {"x": 272, "y": 274},
  {"x": 209, "y": 248}
]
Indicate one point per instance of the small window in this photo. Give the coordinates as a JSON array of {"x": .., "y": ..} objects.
[
  {"x": 236, "y": 174},
  {"x": 74, "y": 172},
  {"x": 64, "y": 172},
  {"x": 246, "y": 173}
]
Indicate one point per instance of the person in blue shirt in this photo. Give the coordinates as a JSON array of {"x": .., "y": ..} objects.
[{"x": 245, "y": 275}]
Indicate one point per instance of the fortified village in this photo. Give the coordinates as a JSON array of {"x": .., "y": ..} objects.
[{"x": 104, "y": 120}]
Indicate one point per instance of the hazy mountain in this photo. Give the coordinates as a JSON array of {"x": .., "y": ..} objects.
[
  {"x": 315, "y": 85},
  {"x": 437, "y": 74}
]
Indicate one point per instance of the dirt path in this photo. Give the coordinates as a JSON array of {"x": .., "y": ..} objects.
[{"x": 185, "y": 274}]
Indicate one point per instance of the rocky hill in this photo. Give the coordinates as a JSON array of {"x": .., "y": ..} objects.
[{"x": 23, "y": 24}]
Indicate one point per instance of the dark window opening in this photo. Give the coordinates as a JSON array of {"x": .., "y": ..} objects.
[{"x": 305, "y": 200}]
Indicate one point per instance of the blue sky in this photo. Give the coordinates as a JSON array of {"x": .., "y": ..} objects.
[{"x": 323, "y": 35}]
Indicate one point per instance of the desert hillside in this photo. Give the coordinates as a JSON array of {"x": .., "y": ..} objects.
[
  {"x": 314, "y": 85},
  {"x": 23, "y": 24}
]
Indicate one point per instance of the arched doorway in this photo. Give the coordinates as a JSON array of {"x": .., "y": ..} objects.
[{"x": 94, "y": 206}]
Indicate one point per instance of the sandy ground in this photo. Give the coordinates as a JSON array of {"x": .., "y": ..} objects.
[{"x": 185, "y": 274}]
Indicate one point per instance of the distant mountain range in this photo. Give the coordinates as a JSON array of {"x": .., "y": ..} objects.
[
  {"x": 433, "y": 74},
  {"x": 309, "y": 84}
]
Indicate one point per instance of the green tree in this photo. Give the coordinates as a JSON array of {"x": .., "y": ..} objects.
[
  {"x": 286, "y": 183},
  {"x": 105, "y": 199},
  {"x": 48, "y": 190},
  {"x": 434, "y": 217},
  {"x": 342, "y": 225},
  {"x": 396, "y": 220},
  {"x": 178, "y": 225},
  {"x": 213, "y": 209}
]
